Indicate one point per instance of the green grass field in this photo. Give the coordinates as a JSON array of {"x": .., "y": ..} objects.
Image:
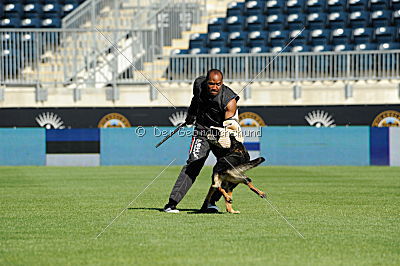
[{"x": 51, "y": 216}]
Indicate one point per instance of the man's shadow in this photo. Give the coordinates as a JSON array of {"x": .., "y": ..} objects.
[{"x": 189, "y": 211}]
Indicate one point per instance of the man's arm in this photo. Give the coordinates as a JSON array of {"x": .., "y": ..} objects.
[{"x": 231, "y": 109}]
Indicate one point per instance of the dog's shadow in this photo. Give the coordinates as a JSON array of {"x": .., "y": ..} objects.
[{"x": 188, "y": 211}]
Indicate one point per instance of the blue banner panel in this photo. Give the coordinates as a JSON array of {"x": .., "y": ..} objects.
[
  {"x": 315, "y": 146},
  {"x": 76, "y": 134},
  {"x": 252, "y": 146},
  {"x": 379, "y": 143},
  {"x": 22, "y": 146},
  {"x": 136, "y": 146}
]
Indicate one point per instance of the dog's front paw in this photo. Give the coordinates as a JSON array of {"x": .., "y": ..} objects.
[{"x": 233, "y": 211}]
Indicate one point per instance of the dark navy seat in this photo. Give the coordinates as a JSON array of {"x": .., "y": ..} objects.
[
  {"x": 337, "y": 6},
  {"x": 295, "y": 6},
  {"x": 386, "y": 34},
  {"x": 235, "y": 23},
  {"x": 316, "y": 6},
  {"x": 257, "y": 38},
  {"x": 338, "y": 20},
  {"x": 216, "y": 25},
  {"x": 274, "y": 7},
  {"x": 254, "y": 7},
  {"x": 296, "y": 21},
  {"x": 341, "y": 36},
  {"x": 358, "y": 5},
  {"x": 275, "y": 22},
  {"x": 255, "y": 22},
  {"x": 217, "y": 39},
  {"x": 317, "y": 20},
  {"x": 298, "y": 37},
  {"x": 381, "y": 18},
  {"x": 238, "y": 38},
  {"x": 198, "y": 40},
  {"x": 278, "y": 38},
  {"x": 320, "y": 37},
  {"x": 359, "y": 19},
  {"x": 363, "y": 35},
  {"x": 235, "y": 9}
]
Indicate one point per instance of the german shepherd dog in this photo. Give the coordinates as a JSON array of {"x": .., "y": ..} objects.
[{"x": 229, "y": 170}]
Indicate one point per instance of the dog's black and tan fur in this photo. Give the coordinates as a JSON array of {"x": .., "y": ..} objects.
[{"x": 229, "y": 171}]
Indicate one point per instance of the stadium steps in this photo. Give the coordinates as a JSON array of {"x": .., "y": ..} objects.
[{"x": 215, "y": 8}]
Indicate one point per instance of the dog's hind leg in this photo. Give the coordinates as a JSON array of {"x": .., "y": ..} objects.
[{"x": 229, "y": 205}]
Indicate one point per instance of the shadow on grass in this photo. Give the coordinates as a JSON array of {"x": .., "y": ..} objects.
[{"x": 189, "y": 211}]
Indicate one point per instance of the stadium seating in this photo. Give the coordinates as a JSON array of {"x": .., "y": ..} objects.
[
  {"x": 235, "y": 9},
  {"x": 274, "y": 7},
  {"x": 238, "y": 39},
  {"x": 317, "y": 20},
  {"x": 255, "y": 22},
  {"x": 35, "y": 13},
  {"x": 341, "y": 36}
]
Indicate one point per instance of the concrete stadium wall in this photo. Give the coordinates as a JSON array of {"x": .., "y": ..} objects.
[
  {"x": 260, "y": 93},
  {"x": 136, "y": 146}
]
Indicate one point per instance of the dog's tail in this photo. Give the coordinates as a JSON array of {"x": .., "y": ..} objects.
[{"x": 247, "y": 166}]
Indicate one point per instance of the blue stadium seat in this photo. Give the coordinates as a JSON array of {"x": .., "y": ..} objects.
[
  {"x": 363, "y": 35},
  {"x": 366, "y": 46},
  {"x": 396, "y": 17},
  {"x": 31, "y": 23},
  {"x": 338, "y": 20},
  {"x": 300, "y": 48},
  {"x": 381, "y": 18},
  {"x": 33, "y": 10},
  {"x": 322, "y": 48},
  {"x": 202, "y": 50},
  {"x": 295, "y": 6},
  {"x": 341, "y": 36},
  {"x": 254, "y": 7},
  {"x": 317, "y": 20},
  {"x": 277, "y": 49},
  {"x": 10, "y": 22},
  {"x": 217, "y": 39},
  {"x": 257, "y": 38},
  {"x": 385, "y": 34},
  {"x": 337, "y": 6},
  {"x": 216, "y": 25},
  {"x": 389, "y": 46},
  {"x": 239, "y": 50},
  {"x": 219, "y": 50},
  {"x": 1, "y": 9},
  {"x": 69, "y": 5},
  {"x": 359, "y": 19},
  {"x": 255, "y": 22},
  {"x": 343, "y": 47},
  {"x": 379, "y": 4},
  {"x": 259, "y": 49},
  {"x": 52, "y": 8},
  {"x": 235, "y": 23},
  {"x": 198, "y": 40},
  {"x": 395, "y": 4},
  {"x": 298, "y": 37},
  {"x": 238, "y": 38},
  {"x": 358, "y": 5},
  {"x": 51, "y": 23},
  {"x": 278, "y": 38},
  {"x": 275, "y": 22},
  {"x": 274, "y": 7},
  {"x": 296, "y": 21},
  {"x": 179, "y": 51},
  {"x": 13, "y": 9},
  {"x": 320, "y": 37},
  {"x": 235, "y": 9},
  {"x": 316, "y": 6}
]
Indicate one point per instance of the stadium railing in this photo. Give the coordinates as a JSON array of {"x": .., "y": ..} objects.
[{"x": 48, "y": 57}]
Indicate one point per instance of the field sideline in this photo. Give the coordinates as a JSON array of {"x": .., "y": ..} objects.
[{"x": 51, "y": 215}]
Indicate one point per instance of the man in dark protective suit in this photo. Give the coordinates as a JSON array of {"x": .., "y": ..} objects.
[{"x": 211, "y": 105}]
